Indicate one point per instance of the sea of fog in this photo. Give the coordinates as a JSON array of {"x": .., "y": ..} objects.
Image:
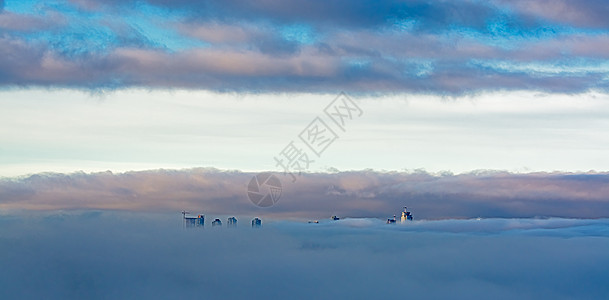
[{"x": 117, "y": 255}]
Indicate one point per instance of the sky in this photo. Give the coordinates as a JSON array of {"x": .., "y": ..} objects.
[
  {"x": 488, "y": 119},
  {"x": 448, "y": 89}
]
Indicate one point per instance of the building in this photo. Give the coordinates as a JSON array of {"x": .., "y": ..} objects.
[
  {"x": 256, "y": 223},
  {"x": 192, "y": 221},
  {"x": 232, "y": 222},
  {"x": 335, "y": 218},
  {"x": 216, "y": 222},
  {"x": 391, "y": 221},
  {"x": 406, "y": 215}
]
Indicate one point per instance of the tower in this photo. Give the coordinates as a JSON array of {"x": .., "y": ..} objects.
[{"x": 406, "y": 215}]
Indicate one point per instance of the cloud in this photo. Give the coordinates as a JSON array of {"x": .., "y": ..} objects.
[
  {"x": 361, "y": 47},
  {"x": 309, "y": 70},
  {"x": 20, "y": 22},
  {"x": 335, "y": 12},
  {"x": 98, "y": 255},
  {"x": 586, "y": 13},
  {"x": 319, "y": 195}
]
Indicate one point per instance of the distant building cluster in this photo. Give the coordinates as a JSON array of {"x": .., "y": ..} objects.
[
  {"x": 199, "y": 221},
  {"x": 406, "y": 216}
]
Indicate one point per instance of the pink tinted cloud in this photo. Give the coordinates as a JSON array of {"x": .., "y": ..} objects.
[{"x": 355, "y": 194}]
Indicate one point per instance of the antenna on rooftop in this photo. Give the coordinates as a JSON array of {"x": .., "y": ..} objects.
[{"x": 184, "y": 218}]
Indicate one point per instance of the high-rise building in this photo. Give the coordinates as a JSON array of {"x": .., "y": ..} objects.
[
  {"x": 192, "y": 221},
  {"x": 256, "y": 223},
  {"x": 406, "y": 215},
  {"x": 232, "y": 222}
]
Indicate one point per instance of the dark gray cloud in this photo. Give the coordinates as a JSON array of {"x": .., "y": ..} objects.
[
  {"x": 359, "y": 13},
  {"x": 440, "y": 47},
  {"x": 101, "y": 255},
  {"x": 427, "y": 15},
  {"x": 355, "y": 194},
  {"x": 308, "y": 70},
  {"x": 582, "y": 13}
]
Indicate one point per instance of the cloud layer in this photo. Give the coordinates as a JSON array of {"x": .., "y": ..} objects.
[
  {"x": 358, "y": 46},
  {"x": 100, "y": 255},
  {"x": 319, "y": 195}
]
